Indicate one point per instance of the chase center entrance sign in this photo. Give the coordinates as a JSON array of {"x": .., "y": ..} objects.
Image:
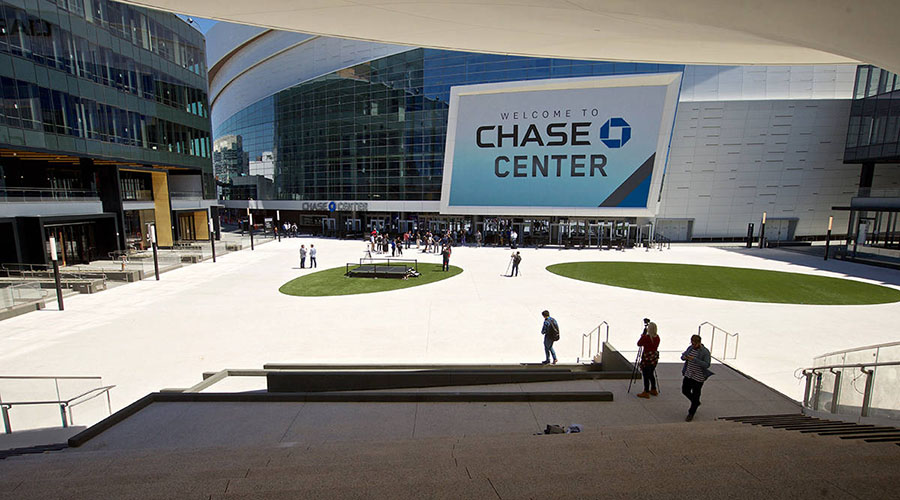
[{"x": 576, "y": 147}]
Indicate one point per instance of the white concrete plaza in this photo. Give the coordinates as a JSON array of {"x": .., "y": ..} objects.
[{"x": 152, "y": 335}]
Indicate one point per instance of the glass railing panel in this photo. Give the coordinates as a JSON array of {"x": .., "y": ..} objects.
[
  {"x": 885, "y": 401},
  {"x": 889, "y": 354},
  {"x": 853, "y": 382},
  {"x": 826, "y": 392}
]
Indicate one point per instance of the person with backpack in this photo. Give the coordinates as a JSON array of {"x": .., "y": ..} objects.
[
  {"x": 516, "y": 260},
  {"x": 649, "y": 341},
  {"x": 550, "y": 331}
]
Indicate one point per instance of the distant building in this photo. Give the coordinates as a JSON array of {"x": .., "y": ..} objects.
[
  {"x": 104, "y": 130},
  {"x": 364, "y": 125}
]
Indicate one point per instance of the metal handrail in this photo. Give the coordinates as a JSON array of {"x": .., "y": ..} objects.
[
  {"x": 712, "y": 340},
  {"x": 589, "y": 336},
  {"x": 812, "y": 391},
  {"x": 63, "y": 403},
  {"x": 852, "y": 365}
]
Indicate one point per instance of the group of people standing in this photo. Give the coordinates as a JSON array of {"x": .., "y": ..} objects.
[
  {"x": 312, "y": 256},
  {"x": 382, "y": 243},
  {"x": 289, "y": 230},
  {"x": 695, "y": 370},
  {"x": 433, "y": 243}
]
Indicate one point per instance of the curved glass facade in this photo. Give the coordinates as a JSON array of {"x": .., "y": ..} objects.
[{"x": 374, "y": 131}]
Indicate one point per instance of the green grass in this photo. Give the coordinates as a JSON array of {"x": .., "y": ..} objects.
[
  {"x": 728, "y": 283},
  {"x": 333, "y": 282}
]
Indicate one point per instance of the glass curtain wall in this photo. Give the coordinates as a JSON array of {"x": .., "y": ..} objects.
[{"x": 375, "y": 131}]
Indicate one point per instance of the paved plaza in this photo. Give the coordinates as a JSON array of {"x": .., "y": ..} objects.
[{"x": 206, "y": 317}]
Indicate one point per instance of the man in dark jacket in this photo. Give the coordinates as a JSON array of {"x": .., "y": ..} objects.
[
  {"x": 516, "y": 260},
  {"x": 550, "y": 331},
  {"x": 446, "y": 255}
]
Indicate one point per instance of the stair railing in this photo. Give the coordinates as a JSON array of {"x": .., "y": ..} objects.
[
  {"x": 813, "y": 392},
  {"x": 65, "y": 405},
  {"x": 712, "y": 339},
  {"x": 587, "y": 340}
]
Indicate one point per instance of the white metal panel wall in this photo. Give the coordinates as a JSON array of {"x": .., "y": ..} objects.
[
  {"x": 251, "y": 54},
  {"x": 730, "y": 161},
  {"x": 746, "y": 83},
  {"x": 259, "y": 78},
  {"x": 222, "y": 38}
]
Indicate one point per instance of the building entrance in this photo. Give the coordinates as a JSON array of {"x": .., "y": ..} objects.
[
  {"x": 186, "y": 229},
  {"x": 76, "y": 242}
]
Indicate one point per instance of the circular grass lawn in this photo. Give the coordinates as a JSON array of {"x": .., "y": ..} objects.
[
  {"x": 728, "y": 283},
  {"x": 333, "y": 282}
]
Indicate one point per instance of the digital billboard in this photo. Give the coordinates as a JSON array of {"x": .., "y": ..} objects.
[{"x": 578, "y": 147}]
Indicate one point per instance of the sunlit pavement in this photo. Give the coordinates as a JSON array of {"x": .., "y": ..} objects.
[{"x": 206, "y": 317}]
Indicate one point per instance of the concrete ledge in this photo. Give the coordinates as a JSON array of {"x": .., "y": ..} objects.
[
  {"x": 612, "y": 359},
  {"x": 334, "y": 397},
  {"x": 191, "y": 258},
  {"x": 319, "y": 381},
  {"x": 21, "y": 309}
]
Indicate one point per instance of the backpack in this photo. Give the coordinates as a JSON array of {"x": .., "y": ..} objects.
[{"x": 554, "y": 330}]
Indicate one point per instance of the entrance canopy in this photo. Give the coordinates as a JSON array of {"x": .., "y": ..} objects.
[{"x": 687, "y": 31}]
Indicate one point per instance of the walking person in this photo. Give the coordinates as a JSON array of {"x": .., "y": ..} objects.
[
  {"x": 550, "y": 331},
  {"x": 649, "y": 341},
  {"x": 478, "y": 238},
  {"x": 516, "y": 260},
  {"x": 312, "y": 256},
  {"x": 695, "y": 370},
  {"x": 399, "y": 247},
  {"x": 302, "y": 256}
]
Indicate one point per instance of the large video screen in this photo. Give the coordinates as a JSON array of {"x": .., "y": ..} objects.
[{"x": 577, "y": 147}]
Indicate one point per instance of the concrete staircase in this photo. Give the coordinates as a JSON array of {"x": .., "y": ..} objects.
[{"x": 698, "y": 460}]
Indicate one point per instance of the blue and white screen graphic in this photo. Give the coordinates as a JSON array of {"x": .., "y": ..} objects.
[{"x": 581, "y": 146}]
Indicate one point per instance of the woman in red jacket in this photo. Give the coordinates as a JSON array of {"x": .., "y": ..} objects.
[{"x": 650, "y": 342}]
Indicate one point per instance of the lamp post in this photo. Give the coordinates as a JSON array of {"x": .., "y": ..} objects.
[
  {"x": 278, "y": 224},
  {"x": 762, "y": 232},
  {"x": 250, "y": 226},
  {"x": 155, "y": 254},
  {"x": 212, "y": 239},
  {"x": 59, "y": 297},
  {"x": 828, "y": 236}
]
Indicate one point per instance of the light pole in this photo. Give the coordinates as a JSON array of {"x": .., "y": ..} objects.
[
  {"x": 762, "y": 232},
  {"x": 155, "y": 254},
  {"x": 250, "y": 226},
  {"x": 828, "y": 236},
  {"x": 212, "y": 239},
  {"x": 59, "y": 297},
  {"x": 278, "y": 224}
]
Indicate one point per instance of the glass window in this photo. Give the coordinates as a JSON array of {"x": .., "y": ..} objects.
[{"x": 862, "y": 75}]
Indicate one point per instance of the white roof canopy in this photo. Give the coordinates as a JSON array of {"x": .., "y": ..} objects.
[{"x": 686, "y": 31}]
